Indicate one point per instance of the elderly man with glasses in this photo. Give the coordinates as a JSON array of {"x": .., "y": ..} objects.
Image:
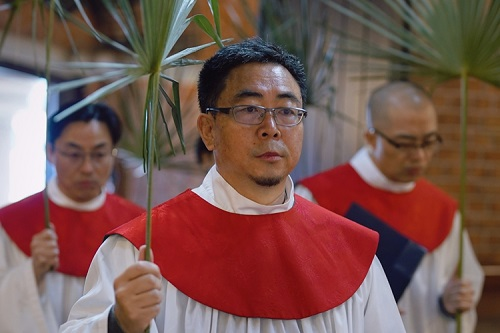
[
  {"x": 242, "y": 253},
  {"x": 382, "y": 187},
  {"x": 43, "y": 267}
]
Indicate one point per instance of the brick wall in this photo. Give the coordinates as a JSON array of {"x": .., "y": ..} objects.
[{"x": 482, "y": 208}]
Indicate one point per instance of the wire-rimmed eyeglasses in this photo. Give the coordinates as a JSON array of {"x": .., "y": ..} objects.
[
  {"x": 77, "y": 157},
  {"x": 430, "y": 144},
  {"x": 254, "y": 115}
]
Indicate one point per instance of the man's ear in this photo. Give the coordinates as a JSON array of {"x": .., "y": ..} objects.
[{"x": 205, "y": 128}]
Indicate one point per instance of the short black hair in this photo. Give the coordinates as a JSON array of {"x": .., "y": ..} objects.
[
  {"x": 97, "y": 111},
  {"x": 212, "y": 78}
]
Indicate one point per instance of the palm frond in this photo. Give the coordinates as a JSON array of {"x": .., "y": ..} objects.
[
  {"x": 47, "y": 11},
  {"x": 129, "y": 100},
  {"x": 14, "y": 9},
  {"x": 314, "y": 45},
  {"x": 149, "y": 52},
  {"x": 444, "y": 38},
  {"x": 151, "y": 42}
]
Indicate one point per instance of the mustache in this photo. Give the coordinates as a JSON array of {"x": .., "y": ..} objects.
[{"x": 276, "y": 147}]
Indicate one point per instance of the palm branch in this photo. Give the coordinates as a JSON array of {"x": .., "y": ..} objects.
[
  {"x": 301, "y": 27},
  {"x": 439, "y": 41},
  {"x": 46, "y": 11},
  {"x": 14, "y": 8},
  {"x": 129, "y": 100},
  {"x": 40, "y": 9},
  {"x": 150, "y": 39}
]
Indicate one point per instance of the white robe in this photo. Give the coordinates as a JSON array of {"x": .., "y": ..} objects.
[
  {"x": 419, "y": 302},
  {"x": 26, "y": 307},
  {"x": 370, "y": 309}
]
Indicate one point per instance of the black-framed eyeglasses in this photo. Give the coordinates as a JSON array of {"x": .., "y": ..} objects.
[
  {"x": 430, "y": 144},
  {"x": 254, "y": 114}
]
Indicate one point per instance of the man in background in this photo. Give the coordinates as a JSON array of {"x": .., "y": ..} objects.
[
  {"x": 42, "y": 270},
  {"x": 383, "y": 182}
]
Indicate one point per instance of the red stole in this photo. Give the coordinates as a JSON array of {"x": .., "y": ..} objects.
[
  {"x": 424, "y": 215},
  {"x": 287, "y": 265},
  {"x": 79, "y": 233}
]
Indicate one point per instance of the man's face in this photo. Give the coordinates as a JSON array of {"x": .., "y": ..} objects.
[
  {"x": 404, "y": 125},
  {"x": 255, "y": 156},
  {"x": 83, "y": 159}
]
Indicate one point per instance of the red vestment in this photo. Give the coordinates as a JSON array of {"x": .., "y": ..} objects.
[
  {"x": 79, "y": 233},
  {"x": 287, "y": 265},
  {"x": 424, "y": 214}
]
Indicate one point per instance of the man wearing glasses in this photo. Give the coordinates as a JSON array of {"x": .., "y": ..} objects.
[
  {"x": 241, "y": 253},
  {"x": 382, "y": 187},
  {"x": 42, "y": 270}
]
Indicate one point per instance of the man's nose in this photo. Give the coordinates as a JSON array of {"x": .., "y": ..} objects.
[
  {"x": 419, "y": 152},
  {"x": 87, "y": 163},
  {"x": 268, "y": 125}
]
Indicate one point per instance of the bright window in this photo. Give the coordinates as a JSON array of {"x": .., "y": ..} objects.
[{"x": 22, "y": 135}]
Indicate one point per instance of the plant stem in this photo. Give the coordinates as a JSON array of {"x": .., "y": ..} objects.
[
  {"x": 46, "y": 219},
  {"x": 48, "y": 40},
  {"x": 151, "y": 106},
  {"x": 151, "y": 111},
  {"x": 149, "y": 175},
  {"x": 464, "y": 79}
]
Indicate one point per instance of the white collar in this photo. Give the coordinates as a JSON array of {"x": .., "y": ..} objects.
[
  {"x": 219, "y": 193},
  {"x": 59, "y": 198},
  {"x": 368, "y": 171}
]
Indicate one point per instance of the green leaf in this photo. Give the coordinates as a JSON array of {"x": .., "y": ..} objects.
[
  {"x": 14, "y": 9},
  {"x": 95, "y": 96},
  {"x": 205, "y": 25},
  {"x": 444, "y": 38},
  {"x": 214, "y": 9},
  {"x": 302, "y": 28}
]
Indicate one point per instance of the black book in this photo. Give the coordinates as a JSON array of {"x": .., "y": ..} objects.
[{"x": 398, "y": 255}]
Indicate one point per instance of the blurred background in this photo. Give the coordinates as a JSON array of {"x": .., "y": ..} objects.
[{"x": 333, "y": 128}]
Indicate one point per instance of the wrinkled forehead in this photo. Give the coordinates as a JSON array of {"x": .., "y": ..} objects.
[{"x": 261, "y": 80}]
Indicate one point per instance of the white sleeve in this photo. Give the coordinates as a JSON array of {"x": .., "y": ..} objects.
[
  {"x": 381, "y": 312},
  {"x": 473, "y": 272},
  {"x": 22, "y": 307},
  {"x": 472, "y": 269},
  {"x": 90, "y": 312}
]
